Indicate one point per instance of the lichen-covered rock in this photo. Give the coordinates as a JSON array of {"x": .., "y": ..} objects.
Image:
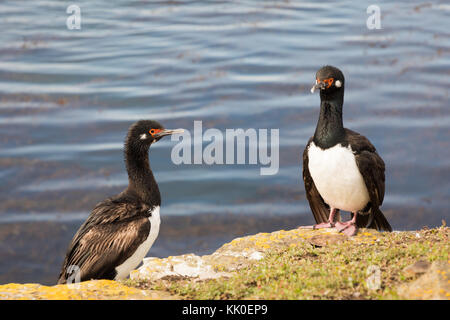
[
  {"x": 239, "y": 253},
  {"x": 434, "y": 284},
  {"x": 432, "y": 281},
  {"x": 88, "y": 290}
]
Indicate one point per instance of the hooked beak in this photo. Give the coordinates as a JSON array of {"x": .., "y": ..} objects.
[
  {"x": 167, "y": 132},
  {"x": 319, "y": 85}
]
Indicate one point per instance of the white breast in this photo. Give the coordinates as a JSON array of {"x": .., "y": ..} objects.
[
  {"x": 337, "y": 177},
  {"x": 132, "y": 262}
]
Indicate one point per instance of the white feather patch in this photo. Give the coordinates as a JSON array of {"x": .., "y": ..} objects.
[
  {"x": 337, "y": 177},
  {"x": 132, "y": 262},
  {"x": 338, "y": 83},
  {"x": 143, "y": 136}
]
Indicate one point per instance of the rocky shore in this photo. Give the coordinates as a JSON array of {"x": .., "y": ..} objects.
[{"x": 294, "y": 264}]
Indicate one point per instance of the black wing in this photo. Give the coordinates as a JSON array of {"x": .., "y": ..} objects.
[
  {"x": 372, "y": 169},
  {"x": 108, "y": 237},
  {"x": 318, "y": 207}
]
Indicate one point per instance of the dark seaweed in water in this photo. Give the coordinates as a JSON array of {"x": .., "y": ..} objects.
[{"x": 67, "y": 98}]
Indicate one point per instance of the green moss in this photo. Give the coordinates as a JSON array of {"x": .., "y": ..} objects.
[{"x": 336, "y": 271}]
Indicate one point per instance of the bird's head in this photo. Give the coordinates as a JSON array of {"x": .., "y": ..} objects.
[
  {"x": 329, "y": 80},
  {"x": 145, "y": 132}
]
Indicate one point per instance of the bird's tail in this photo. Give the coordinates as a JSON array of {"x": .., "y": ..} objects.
[{"x": 374, "y": 220}]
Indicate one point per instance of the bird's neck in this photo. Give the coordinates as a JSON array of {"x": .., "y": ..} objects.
[
  {"x": 141, "y": 181},
  {"x": 330, "y": 127}
]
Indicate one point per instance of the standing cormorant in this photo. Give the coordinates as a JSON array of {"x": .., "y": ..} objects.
[{"x": 341, "y": 168}]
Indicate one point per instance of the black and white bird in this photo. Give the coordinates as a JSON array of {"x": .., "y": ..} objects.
[
  {"x": 341, "y": 168},
  {"x": 120, "y": 230}
]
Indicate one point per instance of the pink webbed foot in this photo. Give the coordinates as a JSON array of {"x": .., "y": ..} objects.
[
  {"x": 324, "y": 225},
  {"x": 348, "y": 228}
]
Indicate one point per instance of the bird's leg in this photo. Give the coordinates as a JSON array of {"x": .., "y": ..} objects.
[
  {"x": 323, "y": 225},
  {"x": 349, "y": 227}
]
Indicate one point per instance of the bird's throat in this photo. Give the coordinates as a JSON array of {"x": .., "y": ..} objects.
[
  {"x": 140, "y": 177},
  {"x": 330, "y": 128}
]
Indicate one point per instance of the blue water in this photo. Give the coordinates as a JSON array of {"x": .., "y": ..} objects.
[{"x": 67, "y": 98}]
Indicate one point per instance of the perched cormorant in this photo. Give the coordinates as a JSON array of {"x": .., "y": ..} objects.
[
  {"x": 120, "y": 230},
  {"x": 341, "y": 168}
]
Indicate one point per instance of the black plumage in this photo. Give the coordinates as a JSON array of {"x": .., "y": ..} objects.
[{"x": 113, "y": 231}]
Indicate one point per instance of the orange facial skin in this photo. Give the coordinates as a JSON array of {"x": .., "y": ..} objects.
[
  {"x": 328, "y": 81},
  {"x": 154, "y": 131}
]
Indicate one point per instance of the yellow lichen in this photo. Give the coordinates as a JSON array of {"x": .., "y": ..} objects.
[{"x": 94, "y": 289}]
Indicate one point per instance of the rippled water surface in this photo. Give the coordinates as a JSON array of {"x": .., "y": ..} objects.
[{"x": 67, "y": 98}]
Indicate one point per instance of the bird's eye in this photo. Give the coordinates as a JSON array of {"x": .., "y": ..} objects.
[
  {"x": 329, "y": 82},
  {"x": 154, "y": 131}
]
